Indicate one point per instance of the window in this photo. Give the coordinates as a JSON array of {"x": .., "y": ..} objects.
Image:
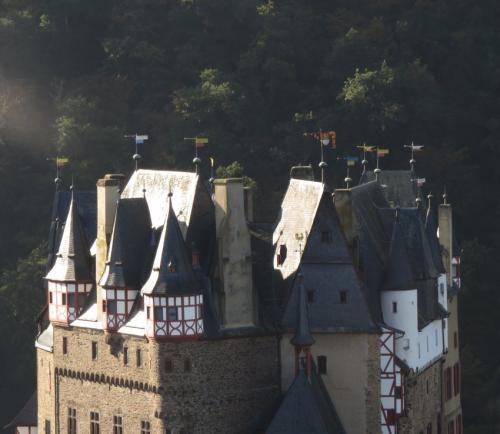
[
  {"x": 159, "y": 313},
  {"x": 94, "y": 350},
  {"x": 456, "y": 379},
  {"x": 169, "y": 366},
  {"x": 419, "y": 350},
  {"x": 72, "y": 299},
  {"x": 451, "y": 427},
  {"x": 117, "y": 425},
  {"x": 429, "y": 428},
  {"x": 138, "y": 359},
  {"x": 148, "y": 312},
  {"x": 441, "y": 288},
  {"x": 50, "y": 297},
  {"x": 65, "y": 345},
  {"x": 398, "y": 392},
  {"x": 94, "y": 423},
  {"x": 326, "y": 237},
  {"x": 343, "y": 297},
  {"x": 172, "y": 314},
  {"x": 436, "y": 337},
  {"x": 104, "y": 306},
  {"x": 168, "y": 431},
  {"x": 438, "y": 423},
  {"x": 447, "y": 384},
  {"x": 125, "y": 356},
  {"x": 322, "y": 365},
  {"x": 427, "y": 386},
  {"x": 394, "y": 307},
  {"x": 310, "y": 295},
  {"x": 281, "y": 256},
  {"x": 71, "y": 421},
  {"x": 187, "y": 365},
  {"x": 111, "y": 307},
  {"x": 63, "y": 296},
  {"x": 427, "y": 342},
  {"x": 145, "y": 427},
  {"x": 455, "y": 340},
  {"x": 47, "y": 426}
]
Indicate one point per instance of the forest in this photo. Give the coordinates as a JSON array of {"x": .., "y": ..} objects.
[{"x": 253, "y": 76}]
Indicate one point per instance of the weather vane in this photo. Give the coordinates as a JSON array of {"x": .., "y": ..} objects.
[
  {"x": 139, "y": 140},
  {"x": 413, "y": 148},
  {"x": 199, "y": 142}
]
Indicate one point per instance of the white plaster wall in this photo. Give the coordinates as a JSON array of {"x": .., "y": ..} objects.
[
  {"x": 430, "y": 339},
  {"x": 442, "y": 290},
  {"x": 404, "y": 319},
  {"x": 27, "y": 430}
]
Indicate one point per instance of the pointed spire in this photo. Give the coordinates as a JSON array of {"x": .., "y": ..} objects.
[
  {"x": 172, "y": 270},
  {"x": 302, "y": 337},
  {"x": 73, "y": 259}
]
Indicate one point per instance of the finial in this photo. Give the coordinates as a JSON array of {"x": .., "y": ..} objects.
[
  {"x": 429, "y": 198},
  {"x": 322, "y": 164},
  {"x": 418, "y": 199},
  {"x": 196, "y": 162},
  {"x": 347, "y": 179},
  {"x": 445, "y": 196},
  {"x": 139, "y": 140},
  {"x": 377, "y": 170},
  {"x": 72, "y": 188},
  {"x": 396, "y": 213}
]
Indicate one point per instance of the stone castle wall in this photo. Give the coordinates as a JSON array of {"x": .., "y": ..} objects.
[
  {"x": 198, "y": 386},
  {"x": 423, "y": 401},
  {"x": 45, "y": 388}
]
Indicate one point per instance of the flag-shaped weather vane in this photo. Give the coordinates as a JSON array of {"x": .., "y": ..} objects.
[{"x": 139, "y": 139}]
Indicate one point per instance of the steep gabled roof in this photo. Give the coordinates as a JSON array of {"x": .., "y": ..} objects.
[
  {"x": 129, "y": 247},
  {"x": 399, "y": 186},
  {"x": 306, "y": 408},
  {"x": 28, "y": 414},
  {"x": 398, "y": 274},
  {"x": 328, "y": 271},
  {"x": 172, "y": 271},
  {"x": 72, "y": 260}
]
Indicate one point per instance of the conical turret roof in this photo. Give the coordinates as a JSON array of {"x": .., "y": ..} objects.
[
  {"x": 72, "y": 262},
  {"x": 302, "y": 336},
  {"x": 398, "y": 274},
  {"x": 172, "y": 271}
]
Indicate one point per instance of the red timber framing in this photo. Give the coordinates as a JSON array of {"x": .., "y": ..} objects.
[
  {"x": 66, "y": 300},
  {"x": 391, "y": 384},
  {"x": 176, "y": 318},
  {"x": 116, "y": 305}
]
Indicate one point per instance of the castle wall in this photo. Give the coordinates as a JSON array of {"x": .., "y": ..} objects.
[
  {"x": 422, "y": 401},
  {"x": 352, "y": 378},
  {"x": 201, "y": 386},
  {"x": 45, "y": 388}
]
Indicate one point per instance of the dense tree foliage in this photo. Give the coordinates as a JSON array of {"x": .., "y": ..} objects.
[{"x": 252, "y": 75}]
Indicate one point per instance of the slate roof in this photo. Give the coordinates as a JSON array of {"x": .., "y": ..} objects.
[
  {"x": 171, "y": 254},
  {"x": 87, "y": 210},
  {"x": 28, "y": 414},
  {"x": 130, "y": 246},
  {"x": 302, "y": 336},
  {"x": 399, "y": 187},
  {"x": 306, "y": 408},
  {"x": 72, "y": 263},
  {"x": 328, "y": 271},
  {"x": 295, "y": 221}
]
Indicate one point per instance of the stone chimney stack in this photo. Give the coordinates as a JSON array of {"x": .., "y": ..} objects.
[
  {"x": 108, "y": 192},
  {"x": 235, "y": 261},
  {"x": 445, "y": 220}
]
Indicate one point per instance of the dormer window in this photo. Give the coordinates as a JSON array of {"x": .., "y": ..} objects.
[{"x": 326, "y": 236}]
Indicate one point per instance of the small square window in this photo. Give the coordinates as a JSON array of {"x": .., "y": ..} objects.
[
  {"x": 322, "y": 365},
  {"x": 343, "y": 297},
  {"x": 94, "y": 350},
  {"x": 159, "y": 314},
  {"x": 394, "y": 307},
  {"x": 172, "y": 313},
  {"x": 326, "y": 236},
  {"x": 310, "y": 295},
  {"x": 65, "y": 345}
]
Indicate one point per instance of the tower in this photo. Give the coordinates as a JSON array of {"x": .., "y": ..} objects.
[{"x": 70, "y": 279}]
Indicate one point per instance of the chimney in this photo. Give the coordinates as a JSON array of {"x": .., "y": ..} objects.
[
  {"x": 235, "y": 261},
  {"x": 108, "y": 192},
  {"x": 445, "y": 221}
]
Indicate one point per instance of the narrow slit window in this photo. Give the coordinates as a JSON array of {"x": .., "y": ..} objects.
[
  {"x": 94, "y": 350},
  {"x": 138, "y": 358},
  {"x": 322, "y": 365},
  {"x": 65, "y": 345},
  {"x": 117, "y": 425},
  {"x": 94, "y": 423},
  {"x": 343, "y": 297},
  {"x": 125, "y": 356},
  {"x": 71, "y": 420},
  {"x": 394, "y": 307}
]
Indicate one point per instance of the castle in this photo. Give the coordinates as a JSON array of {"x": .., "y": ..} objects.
[{"x": 170, "y": 310}]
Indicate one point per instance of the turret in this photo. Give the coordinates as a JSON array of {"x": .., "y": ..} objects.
[
  {"x": 70, "y": 279},
  {"x": 173, "y": 297},
  {"x": 120, "y": 282}
]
